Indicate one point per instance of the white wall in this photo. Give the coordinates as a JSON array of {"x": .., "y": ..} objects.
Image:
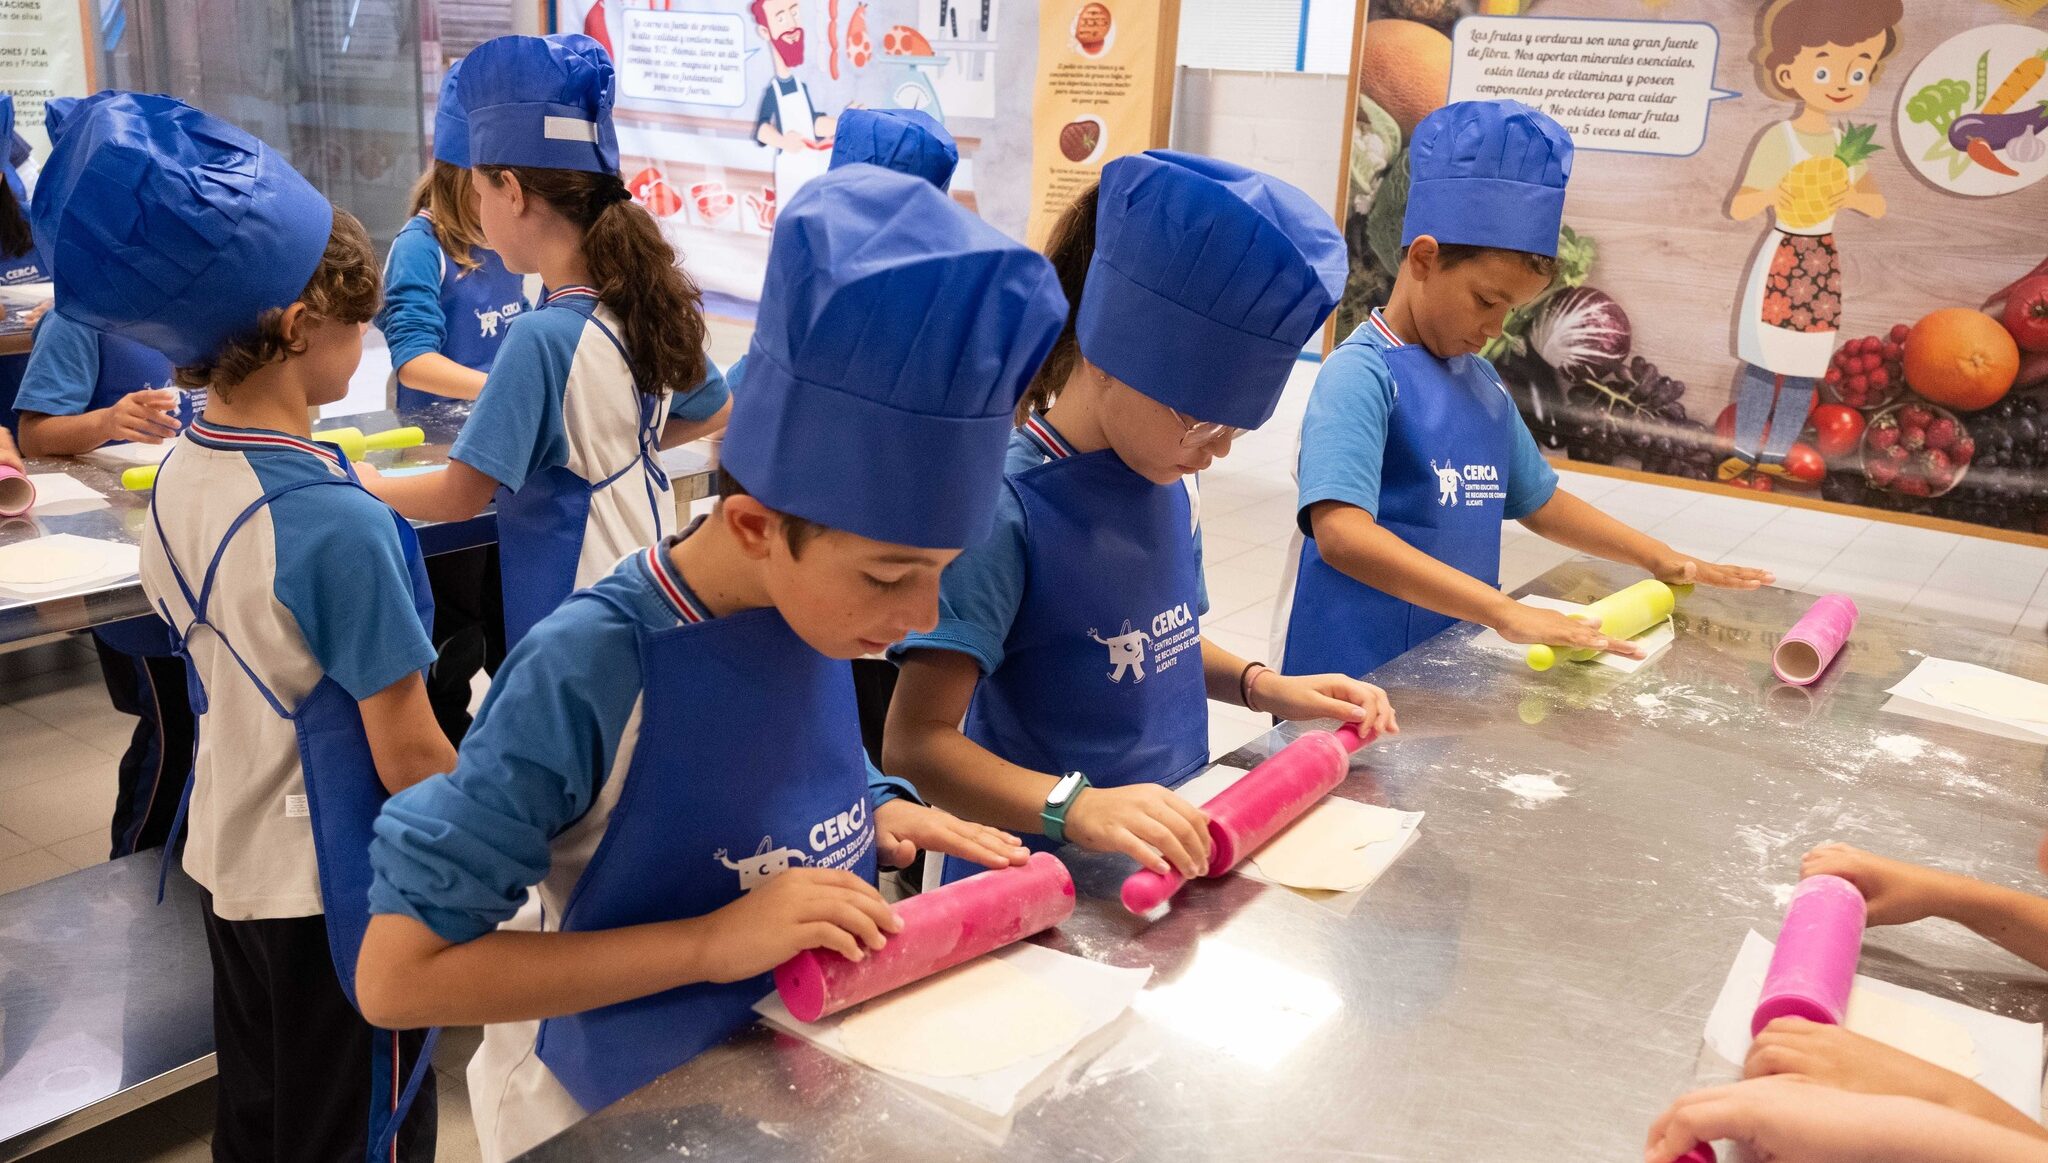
[{"x": 1290, "y": 125}]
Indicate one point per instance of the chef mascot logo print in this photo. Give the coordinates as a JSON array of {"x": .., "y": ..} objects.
[
  {"x": 1172, "y": 632},
  {"x": 838, "y": 841},
  {"x": 488, "y": 322},
  {"x": 1446, "y": 483}
]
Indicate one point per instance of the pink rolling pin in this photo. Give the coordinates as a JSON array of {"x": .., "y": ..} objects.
[
  {"x": 1254, "y": 809},
  {"x": 1814, "y": 965},
  {"x": 17, "y": 492},
  {"x": 1815, "y": 962},
  {"x": 941, "y": 929},
  {"x": 1814, "y": 640}
]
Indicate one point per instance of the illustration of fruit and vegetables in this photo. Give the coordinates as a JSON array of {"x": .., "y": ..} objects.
[{"x": 1941, "y": 413}]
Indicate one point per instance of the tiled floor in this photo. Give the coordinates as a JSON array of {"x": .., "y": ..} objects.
[{"x": 57, "y": 770}]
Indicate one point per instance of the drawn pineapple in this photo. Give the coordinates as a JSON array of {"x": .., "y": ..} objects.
[{"x": 1818, "y": 183}]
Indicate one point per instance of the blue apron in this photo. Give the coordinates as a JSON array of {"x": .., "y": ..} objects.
[
  {"x": 477, "y": 307},
  {"x": 1442, "y": 490},
  {"x": 541, "y": 525},
  {"x": 23, "y": 268},
  {"x": 713, "y": 805},
  {"x": 125, "y": 367},
  {"x": 343, "y": 792},
  {"x": 1102, "y": 668}
]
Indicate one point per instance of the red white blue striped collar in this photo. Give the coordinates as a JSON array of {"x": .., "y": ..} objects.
[
  {"x": 259, "y": 439},
  {"x": 1379, "y": 324},
  {"x": 573, "y": 290},
  {"x": 662, "y": 571},
  {"x": 1046, "y": 437}
]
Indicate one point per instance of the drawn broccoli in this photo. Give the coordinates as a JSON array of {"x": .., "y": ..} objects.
[{"x": 1939, "y": 104}]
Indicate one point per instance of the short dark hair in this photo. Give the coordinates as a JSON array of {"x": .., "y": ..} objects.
[
  {"x": 796, "y": 531},
  {"x": 1452, "y": 254},
  {"x": 344, "y": 289}
]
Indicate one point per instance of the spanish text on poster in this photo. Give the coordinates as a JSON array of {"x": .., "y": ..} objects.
[
  {"x": 1630, "y": 86},
  {"x": 696, "y": 58}
]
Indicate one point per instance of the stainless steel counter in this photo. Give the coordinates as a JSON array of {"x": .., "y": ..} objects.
[
  {"x": 689, "y": 467},
  {"x": 1528, "y": 982},
  {"x": 106, "y": 999}
]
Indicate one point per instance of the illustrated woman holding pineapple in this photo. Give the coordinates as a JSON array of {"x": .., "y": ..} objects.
[{"x": 1825, "y": 55}]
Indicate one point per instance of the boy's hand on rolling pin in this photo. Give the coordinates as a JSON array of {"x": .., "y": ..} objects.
[
  {"x": 147, "y": 417},
  {"x": 1322, "y": 696},
  {"x": 1531, "y": 625},
  {"x": 1144, "y": 821},
  {"x": 1790, "y": 1121},
  {"x": 1835, "y": 1057},
  {"x": 797, "y": 909},
  {"x": 10, "y": 455},
  {"x": 1681, "y": 570},
  {"x": 1894, "y": 892},
  {"x": 903, "y": 828}
]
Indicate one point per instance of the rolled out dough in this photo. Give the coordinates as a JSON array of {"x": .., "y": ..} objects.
[
  {"x": 1917, "y": 1030},
  {"x": 35, "y": 563},
  {"x": 2001, "y": 696},
  {"x": 1326, "y": 848},
  {"x": 980, "y": 1017}
]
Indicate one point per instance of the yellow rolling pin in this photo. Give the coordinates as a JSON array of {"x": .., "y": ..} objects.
[
  {"x": 1622, "y": 614},
  {"x": 353, "y": 443}
]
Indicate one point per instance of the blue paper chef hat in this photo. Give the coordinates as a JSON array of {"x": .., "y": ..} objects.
[
  {"x": 17, "y": 150},
  {"x": 1488, "y": 173},
  {"x": 896, "y": 332},
  {"x": 55, "y": 111},
  {"x": 451, "y": 124},
  {"x": 1207, "y": 280},
  {"x": 175, "y": 229},
  {"x": 542, "y": 101},
  {"x": 908, "y": 141}
]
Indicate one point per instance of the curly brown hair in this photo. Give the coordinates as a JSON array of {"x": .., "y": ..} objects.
[
  {"x": 1787, "y": 26},
  {"x": 344, "y": 289},
  {"x": 443, "y": 194},
  {"x": 1070, "y": 248},
  {"x": 635, "y": 272}
]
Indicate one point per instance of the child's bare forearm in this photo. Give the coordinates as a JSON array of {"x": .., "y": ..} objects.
[
  {"x": 2015, "y": 920},
  {"x": 1575, "y": 524},
  {"x": 1359, "y": 547},
  {"x": 409, "y": 977}
]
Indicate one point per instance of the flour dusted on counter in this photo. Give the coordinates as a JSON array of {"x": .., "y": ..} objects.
[{"x": 1533, "y": 790}]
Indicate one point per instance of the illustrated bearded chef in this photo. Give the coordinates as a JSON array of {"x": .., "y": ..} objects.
[{"x": 789, "y": 122}]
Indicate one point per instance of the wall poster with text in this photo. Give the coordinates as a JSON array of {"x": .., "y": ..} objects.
[
  {"x": 727, "y": 107},
  {"x": 1803, "y": 251}
]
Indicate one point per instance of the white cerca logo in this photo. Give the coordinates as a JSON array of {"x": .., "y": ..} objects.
[{"x": 1127, "y": 649}]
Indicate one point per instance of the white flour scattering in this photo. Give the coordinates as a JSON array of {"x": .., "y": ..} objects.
[{"x": 1533, "y": 790}]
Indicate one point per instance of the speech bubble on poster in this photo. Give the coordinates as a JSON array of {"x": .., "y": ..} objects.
[
  {"x": 1626, "y": 86},
  {"x": 692, "y": 58}
]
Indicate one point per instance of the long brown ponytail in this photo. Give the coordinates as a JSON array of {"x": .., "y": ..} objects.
[
  {"x": 1071, "y": 248},
  {"x": 634, "y": 270},
  {"x": 15, "y": 238},
  {"x": 444, "y": 195}
]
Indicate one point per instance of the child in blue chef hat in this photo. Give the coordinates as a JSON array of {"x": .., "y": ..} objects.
[
  {"x": 1412, "y": 453},
  {"x": 586, "y": 391},
  {"x": 671, "y": 761},
  {"x": 297, "y": 601},
  {"x": 1065, "y": 690}
]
